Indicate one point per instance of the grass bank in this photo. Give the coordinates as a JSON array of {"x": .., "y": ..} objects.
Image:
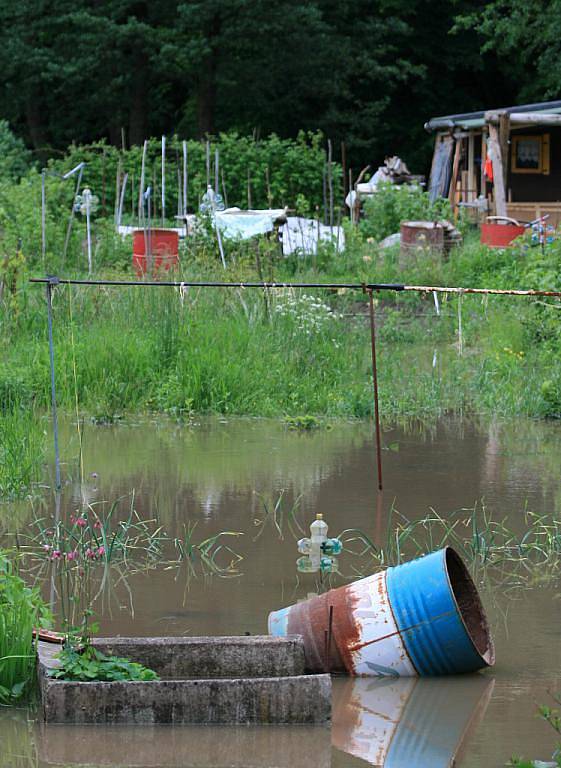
[{"x": 283, "y": 353}]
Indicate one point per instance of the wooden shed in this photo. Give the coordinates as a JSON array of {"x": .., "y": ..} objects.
[{"x": 508, "y": 159}]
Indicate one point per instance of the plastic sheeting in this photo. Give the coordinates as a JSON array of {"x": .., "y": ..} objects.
[
  {"x": 235, "y": 223},
  {"x": 300, "y": 235}
]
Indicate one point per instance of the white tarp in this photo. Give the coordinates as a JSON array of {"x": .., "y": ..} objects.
[
  {"x": 303, "y": 235},
  {"x": 235, "y": 223}
]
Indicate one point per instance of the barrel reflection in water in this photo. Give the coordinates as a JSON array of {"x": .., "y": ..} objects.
[{"x": 399, "y": 723}]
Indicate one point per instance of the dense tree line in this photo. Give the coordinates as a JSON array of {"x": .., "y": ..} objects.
[{"x": 367, "y": 72}]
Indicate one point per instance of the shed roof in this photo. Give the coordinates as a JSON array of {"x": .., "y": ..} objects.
[{"x": 477, "y": 119}]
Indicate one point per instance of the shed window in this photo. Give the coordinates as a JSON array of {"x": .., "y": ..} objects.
[{"x": 530, "y": 154}]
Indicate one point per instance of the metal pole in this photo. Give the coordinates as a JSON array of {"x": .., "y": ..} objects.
[
  {"x": 163, "y": 181},
  {"x": 88, "y": 229},
  {"x": 43, "y": 217},
  {"x": 216, "y": 164},
  {"x": 71, "y": 219},
  {"x": 53, "y": 281},
  {"x": 185, "y": 180},
  {"x": 375, "y": 387}
]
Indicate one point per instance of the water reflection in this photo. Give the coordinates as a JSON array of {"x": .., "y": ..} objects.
[
  {"x": 387, "y": 723},
  {"x": 184, "y": 747},
  {"x": 408, "y": 722}
]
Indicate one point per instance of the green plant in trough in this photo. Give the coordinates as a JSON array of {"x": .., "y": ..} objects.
[
  {"x": 21, "y": 610},
  {"x": 90, "y": 665}
]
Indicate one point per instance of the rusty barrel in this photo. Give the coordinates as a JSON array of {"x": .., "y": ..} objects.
[
  {"x": 421, "y": 236},
  {"x": 421, "y": 618}
]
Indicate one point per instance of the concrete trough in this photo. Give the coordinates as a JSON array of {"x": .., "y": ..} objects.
[{"x": 204, "y": 680}]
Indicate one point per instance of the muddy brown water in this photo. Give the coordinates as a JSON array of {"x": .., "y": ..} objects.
[{"x": 217, "y": 474}]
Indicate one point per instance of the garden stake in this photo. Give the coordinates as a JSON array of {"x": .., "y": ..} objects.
[
  {"x": 43, "y": 217},
  {"x": 328, "y": 636},
  {"x": 184, "y": 146},
  {"x": 51, "y": 282},
  {"x": 375, "y": 385}
]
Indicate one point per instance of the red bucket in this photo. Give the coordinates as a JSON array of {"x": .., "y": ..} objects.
[
  {"x": 500, "y": 235},
  {"x": 164, "y": 247}
]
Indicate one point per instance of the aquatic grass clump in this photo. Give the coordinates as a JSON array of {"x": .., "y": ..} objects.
[
  {"x": 503, "y": 550},
  {"x": 95, "y": 550},
  {"x": 21, "y": 611},
  {"x": 210, "y": 552}
]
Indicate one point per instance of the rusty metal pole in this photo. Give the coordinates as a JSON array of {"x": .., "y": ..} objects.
[{"x": 375, "y": 387}]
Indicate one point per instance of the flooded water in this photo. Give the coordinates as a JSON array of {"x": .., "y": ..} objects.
[{"x": 220, "y": 475}]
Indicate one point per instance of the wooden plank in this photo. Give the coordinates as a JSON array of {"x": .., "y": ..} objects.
[
  {"x": 465, "y": 194},
  {"x": 535, "y": 118},
  {"x": 472, "y": 186},
  {"x": 483, "y": 180},
  {"x": 455, "y": 168}
]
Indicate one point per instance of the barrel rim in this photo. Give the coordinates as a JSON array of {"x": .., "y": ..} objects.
[{"x": 487, "y": 653}]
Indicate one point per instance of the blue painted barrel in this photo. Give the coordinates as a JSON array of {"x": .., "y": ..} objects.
[{"x": 421, "y": 618}]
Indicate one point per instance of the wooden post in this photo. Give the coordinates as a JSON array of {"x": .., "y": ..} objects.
[
  {"x": 498, "y": 175},
  {"x": 472, "y": 186},
  {"x": 499, "y": 130},
  {"x": 504, "y": 135},
  {"x": 455, "y": 169},
  {"x": 344, "y": 167},
  {"x": 483, "y": 161}
]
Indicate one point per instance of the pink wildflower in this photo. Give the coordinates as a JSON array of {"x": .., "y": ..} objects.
[
  {"x": 72, "y": 555},
  {"x": 97, "y": 524},
  {"x": 100, "y": 551},
  {"x": 57, "y": 554},
  {"x": 90, "y": 554},
  {"x": 47, "y": 547},
  {"x": 81, "y": 522}
]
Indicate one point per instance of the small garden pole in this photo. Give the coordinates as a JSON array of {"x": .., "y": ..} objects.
[
  {"x": 163, "y": 181},
  {"x": 52, "y": 281},
  {"x": 375, "y": 386},
  {"x": 43, "y": 217},
  {"x": 184, "y": 178}
]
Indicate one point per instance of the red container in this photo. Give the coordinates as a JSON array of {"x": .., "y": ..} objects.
[
  {"x": 163, "y": 255},
  {"x": 500, "y": 235}
]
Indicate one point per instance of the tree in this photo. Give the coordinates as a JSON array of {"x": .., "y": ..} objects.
[{"x": 527, "y": 38}]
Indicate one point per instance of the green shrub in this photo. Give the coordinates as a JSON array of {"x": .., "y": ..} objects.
[
  {"x": 391, "y": 204},
  {"x": 15, "y": 158},
  {"x": 21, "y": 610}
]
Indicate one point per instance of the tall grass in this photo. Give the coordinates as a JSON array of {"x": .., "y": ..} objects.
[
  {"x": 283, "y": 353},
  {"x": 22, "y": 442},
  {"x": 21, "y": 610}
]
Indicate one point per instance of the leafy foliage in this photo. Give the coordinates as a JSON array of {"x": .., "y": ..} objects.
[
  {"x": 367, "y": 73},
  {"x": 14, "y": 156},
  {"x": 391, "y": 204},
  {"x": 21, "y": 610},
  {"x": 528, "y": 38},
  {"x": 92, "y": 665}
]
